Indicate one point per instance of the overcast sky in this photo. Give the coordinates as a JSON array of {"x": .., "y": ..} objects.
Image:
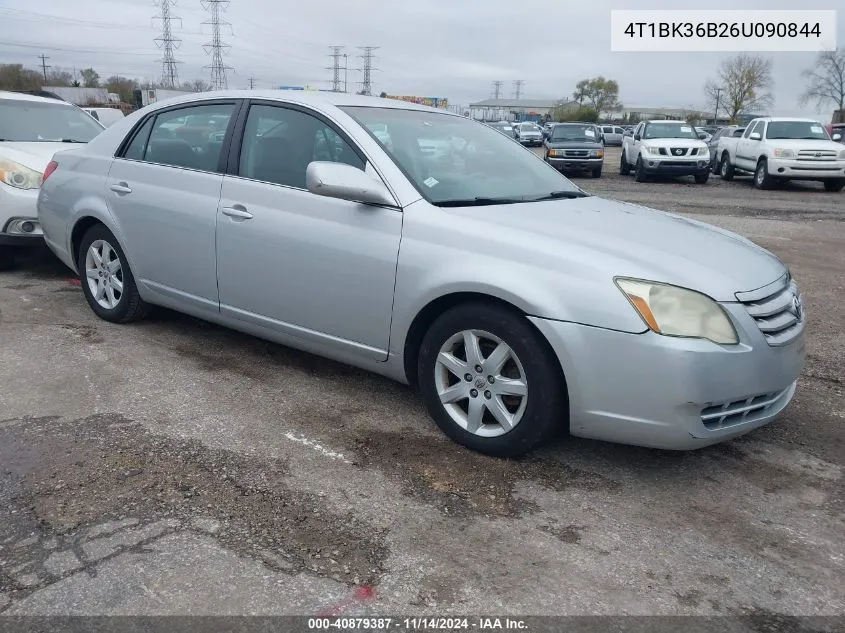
[{"x": 444, "y": 48}]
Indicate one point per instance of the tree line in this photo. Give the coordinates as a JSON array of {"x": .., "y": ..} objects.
[{"x": 16, "y": 77}]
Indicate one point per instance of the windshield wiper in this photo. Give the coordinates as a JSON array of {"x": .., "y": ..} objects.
[
  {"x": 477, "y": 202},
  {"x": 71, "y": 140},
  {"x": 562, "y": 195}
]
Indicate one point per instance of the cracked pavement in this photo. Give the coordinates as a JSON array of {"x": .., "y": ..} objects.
[{"x": 172, "y": 466}]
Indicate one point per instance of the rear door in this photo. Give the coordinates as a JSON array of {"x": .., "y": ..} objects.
[
  {"x": 746, "y": 147},
  {"x": 163, "y": 193},
  {"x": 315, "y": 269}
]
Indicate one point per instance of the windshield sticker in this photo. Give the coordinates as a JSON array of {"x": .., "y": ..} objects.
[
  {"x": 589, "y": 133},
  {"x": 816, "y": 129},
  {"x": 430, "y": 182},
  {"x": 686, "y": 129}
]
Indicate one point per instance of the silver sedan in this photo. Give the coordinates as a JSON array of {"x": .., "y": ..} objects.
[{"x": 431, "y": 249}]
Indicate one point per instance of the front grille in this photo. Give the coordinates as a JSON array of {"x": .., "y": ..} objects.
[
  {"x": 812, "y": 154},
  {"x": 577, "y": 153},
  {"x": 780, "y": 315},
  {"x": 720, "y": 416},
  {"x": 678, "y": 151}
]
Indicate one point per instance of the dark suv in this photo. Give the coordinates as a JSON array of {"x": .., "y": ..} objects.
[{"x": 575, "y": 147}]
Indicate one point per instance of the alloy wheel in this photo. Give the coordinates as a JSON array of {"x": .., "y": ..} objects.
[
  {"x": 104, "y": 274},
  {"x": 481, "y": 383}
]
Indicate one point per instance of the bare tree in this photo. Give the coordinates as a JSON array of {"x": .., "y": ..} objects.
[
  {"x": 742, "y": 84},
  {"x": 826, "y": 82}
]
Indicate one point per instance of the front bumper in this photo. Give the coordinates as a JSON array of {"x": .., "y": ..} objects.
[
  {"x": 582, "y": 164},
  {"x": 18, "y": 204},
  {"x": 791, "y": 168},
  {"x": 660, "y": 391},
  {"x": 676, "y": 167}
]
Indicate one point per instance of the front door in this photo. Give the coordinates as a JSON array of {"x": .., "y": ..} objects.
[{"x": 316, "y": 269}]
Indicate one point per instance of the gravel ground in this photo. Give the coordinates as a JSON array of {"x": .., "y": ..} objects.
[{"x": 176, "y": 467}]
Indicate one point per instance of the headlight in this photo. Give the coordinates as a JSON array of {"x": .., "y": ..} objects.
[
  {"x": 779, "y": 152},
  {"x": 597, "y": 153},
  {"x": 674, "y": 311},
  {"x": 652, "y": 149},
  {"x": 842, "y": 154},
  {"x": 16, "y": 175}
]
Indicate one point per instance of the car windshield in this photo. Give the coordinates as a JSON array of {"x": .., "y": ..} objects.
[
  {"x": 34, "y": 121},
  {"x": 453, "y": 161},
  {"x": 796, "y": 129},
  {"x": 574, "y": 133},
  {"x": 669, "y": 130}
]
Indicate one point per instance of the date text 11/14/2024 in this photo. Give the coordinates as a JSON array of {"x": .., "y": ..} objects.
[{"x": 416, "y": 624}]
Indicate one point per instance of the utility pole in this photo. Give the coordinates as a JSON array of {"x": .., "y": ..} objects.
[
  {"x": 497, "y": 89},
  {"x": 44, "y": 65},
  {"x": 367, "y": 79},
  {"x": 716, "y": 112},
  {"x": 216, "y": 47},
  {"x": 345, "y": 72},
  {"x": 517, "y": 88},
  {"x": 252, "y": 83},
  {"x": 168, "y": 43},
  {"x": 336, "y": 54}
]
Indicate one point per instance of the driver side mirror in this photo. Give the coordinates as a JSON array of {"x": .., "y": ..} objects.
[
  {"x": 702, "y": 135},
  {"x": 638, "y": 137},
  {"x": 338, "y": 180},
  {"x": 755, "y": 136},
  {"x": 837, "y": 137}
]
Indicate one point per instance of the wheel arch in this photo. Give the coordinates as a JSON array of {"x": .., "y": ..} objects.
[{"x": 427, "y": 315}]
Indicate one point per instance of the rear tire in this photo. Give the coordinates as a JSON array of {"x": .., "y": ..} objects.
[
  {"x": 762, "y": 179},
  {"x": 639, "y": 170},
  {"x": 726, "y": 170},
  {"x": 624, "y": 167},
  {"x": 107, "y": 281},
  {"x": 530, "y": 369},
  {"x": 834, "y": 185},
  {"x": 7, "y": 258}
]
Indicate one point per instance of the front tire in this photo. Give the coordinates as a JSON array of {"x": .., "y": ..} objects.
[
  {"x": 107, "y": 281},
  {"x": 639, "y": 170},
  {"x": 508, "y": 416},
  {"x": 834, "y": 185},
  {"x": 701, "y": 179},
  {"x": 762, "y": 179},
  {"x": 596, "y": 173},
  {"x": 7, "y": 258},
  {"x": 624, "y": 167}
]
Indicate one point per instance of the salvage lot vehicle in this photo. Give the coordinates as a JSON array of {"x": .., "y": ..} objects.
[
  {"x": 517, "y": 302},
  {"x": 32, "y": 129},
  {"x": 575, "y": 147},
  {"x": 665, "y": 148},
  {"x": 529, "y": 134},
  {"x": 733, "y": 131},
  {"x": 779, "y": 149}
]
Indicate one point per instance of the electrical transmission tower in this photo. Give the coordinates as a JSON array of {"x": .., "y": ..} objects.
[
  {"x": 168, "y": 43},
  {"x": 497, "y": 89},
  {"x": 216, "y": 47},
  {"x": 336, "y": 54},
  {"x": 367, "y": 79},
  {"x": 517, "y": 88}
]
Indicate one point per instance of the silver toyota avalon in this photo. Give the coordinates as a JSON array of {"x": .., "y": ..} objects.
[{"x": 431, "y": 249}]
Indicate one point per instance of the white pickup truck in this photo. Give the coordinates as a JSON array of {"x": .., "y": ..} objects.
[
  {"x": 665, "y": 148},
  {"x": 776, "y": 149}
]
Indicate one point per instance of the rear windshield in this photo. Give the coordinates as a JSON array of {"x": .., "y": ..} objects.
[{"x": 35, "y": 121}]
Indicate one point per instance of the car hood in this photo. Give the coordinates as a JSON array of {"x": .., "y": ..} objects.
[
  {"x": 805, "y": 144},
  {"x": 628, "y": 240},
  {"x": 573, "y": 145},
  {"x": 33, "y": 155},
  {"x": 674, "y": 142}
]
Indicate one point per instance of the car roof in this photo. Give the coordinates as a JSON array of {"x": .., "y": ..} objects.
[
  {"x": 303, "y": 97},
  {"x": 787, "y": 118},
  {"x": 22, "y": 96}
]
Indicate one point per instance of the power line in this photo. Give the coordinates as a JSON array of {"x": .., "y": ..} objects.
[
  {"x": 44, "y": 65},
  {"x": 367, "y": 78},
  {"x": 336, "y": 54},
  {"x": 497, "y": 89},
  {"x": 168, "y": 43},
  {"x": 216, "y": 47},
  {"x": 517, "y": 88}
]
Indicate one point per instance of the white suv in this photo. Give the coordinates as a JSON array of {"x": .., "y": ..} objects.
[
  {"x": 32, "y": 129},
  {"x": 665, "y": 148}
]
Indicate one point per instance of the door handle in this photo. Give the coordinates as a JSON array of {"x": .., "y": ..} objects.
[
  {"x": 238, "y": 212},
  {"x": 121, "y": 187}
]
